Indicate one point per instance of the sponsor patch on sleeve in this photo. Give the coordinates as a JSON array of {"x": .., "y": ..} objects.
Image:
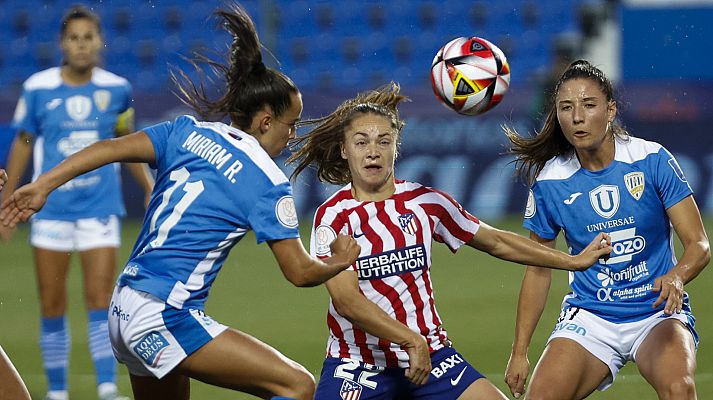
[
  {"x": 286, "y": 212},
  {"x": 324, "y": 236},
  {"x": 530, "y": 208}
]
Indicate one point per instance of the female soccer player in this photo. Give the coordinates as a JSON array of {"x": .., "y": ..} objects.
[
  {"x": 386, "y": 339},
  {"x": 214, "y": 183},
  {"x": 61, "y": 111},
  {"x": 588, "y": 174}
]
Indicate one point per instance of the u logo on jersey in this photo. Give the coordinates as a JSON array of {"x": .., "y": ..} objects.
[
  {"x": 605, "y": 200},
  {"x": 634, "y": 182},
  {"x": 408, "y": 223},
  {"x": 78, "y": 107}
]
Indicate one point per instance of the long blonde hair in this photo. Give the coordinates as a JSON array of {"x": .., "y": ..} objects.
[{"x": 321, "y": 147}]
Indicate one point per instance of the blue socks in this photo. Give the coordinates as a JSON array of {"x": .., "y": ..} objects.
[
  {"x": 54, "y": 343},
  {"x": 100, "y": 348}
]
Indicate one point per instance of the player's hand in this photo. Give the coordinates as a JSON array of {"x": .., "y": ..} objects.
[
  {"x": 345, "y": 251},
  {"x": 3, "y": 178},
  {"x": 670, "y": 287},
  {"x": 599, "y": 248},
  {"x": 516, "y": 374},
  {"x": 419, "y": 360},
  {"x": 24, "y": 202}
]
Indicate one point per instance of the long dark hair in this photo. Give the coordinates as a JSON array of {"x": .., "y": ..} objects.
[
  {"x": 250, "y": 85},
  {"x": 79, "y": 12},
  {"x": 531, "y": 153},
  {"x": 321, "y": 147}
]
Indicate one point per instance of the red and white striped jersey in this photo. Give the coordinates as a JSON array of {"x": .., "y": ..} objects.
[{"x": 393, "y": 268}]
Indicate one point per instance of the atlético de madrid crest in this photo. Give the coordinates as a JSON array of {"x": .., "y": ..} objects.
[
  {"x": 408, "y": 223},
  {"x": 634, "y": 182}
]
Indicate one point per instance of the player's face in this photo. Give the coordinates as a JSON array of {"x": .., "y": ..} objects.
[
  {"x": 370, "y": 150},
  {"x": 81, "y": 44},
  {"x": 584, "y": 113},
  {"x": 281, "y": 129}
]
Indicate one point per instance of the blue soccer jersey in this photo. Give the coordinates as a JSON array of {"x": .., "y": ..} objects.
[
  {"x": 213, "y": 184},
  {"x": 65, "y": 119},
  {"x": 628, "y": 200}
]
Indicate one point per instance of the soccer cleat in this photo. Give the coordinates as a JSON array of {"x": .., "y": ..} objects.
[{"x": 114, "y": 396}]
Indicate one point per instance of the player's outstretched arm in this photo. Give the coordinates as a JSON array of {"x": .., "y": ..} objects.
[
  {"x": 303, "y": 270},
  {"x": 510, "y": 246},
  {"x": 30, "y": 198},
  {"x": 351, "y": 304}
]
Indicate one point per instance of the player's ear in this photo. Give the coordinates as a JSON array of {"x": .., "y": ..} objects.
[
  {"x": 261, "y": 122},
  {"x": 343, "y": 150},
  {"x": 611, "y": 111}
]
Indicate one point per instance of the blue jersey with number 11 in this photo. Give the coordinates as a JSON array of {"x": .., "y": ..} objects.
[
  {"x": 213, "y": 184},
  {"x": 628, "y": 199}
]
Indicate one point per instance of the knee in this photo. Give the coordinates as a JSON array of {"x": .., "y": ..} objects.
[
  {"x": 681, "y": 389},
  {"x": 300, "y": 384},
  {"x": 544, "y": 392}
]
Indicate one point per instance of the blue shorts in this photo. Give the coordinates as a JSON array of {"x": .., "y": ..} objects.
[{"x": 346, "y": 379}]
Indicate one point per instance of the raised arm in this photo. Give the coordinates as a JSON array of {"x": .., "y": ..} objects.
[
  {"x": 302, "y": 270},
  {"x": 513, "y": 247},
  {"x": 30, "y": 198},
  {"x": 686, "y": 220},
  {"x": 351, "y": 304},
  {"x": 531, "y": 303},
  {"x": 139, "y": 171}
]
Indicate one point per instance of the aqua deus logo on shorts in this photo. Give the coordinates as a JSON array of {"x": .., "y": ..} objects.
[{"x": 150, "y": 347}]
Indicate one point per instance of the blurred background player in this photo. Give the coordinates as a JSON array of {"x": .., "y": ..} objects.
[
  {"x": 587, "y": 173},
  {"x": 215, "y": 182},
  {"x": 386, "y": 337},
  {"x": 11, "y": 385},
  {"x": 62, "y": 110}
]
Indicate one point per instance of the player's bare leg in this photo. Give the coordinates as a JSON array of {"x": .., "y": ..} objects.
[
  {"x": 238, "y": 361},
  {"x": 667, "y": 360},
  {"x": 99, "y": 272},
  {"x": 482, "y": 389},
  {"x": 566, "y": 371},
  {"x": 172, "y": 387},
  {"x": 52, "y": 268}
]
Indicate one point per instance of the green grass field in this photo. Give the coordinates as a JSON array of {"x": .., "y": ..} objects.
[{"x": 476, "y": 295}]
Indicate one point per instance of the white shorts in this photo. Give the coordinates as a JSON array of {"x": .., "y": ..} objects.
[
  {"x": 78, "y": 235},
  {"x": 152, "y": 337},
  {"x": 612, "y": 343}
]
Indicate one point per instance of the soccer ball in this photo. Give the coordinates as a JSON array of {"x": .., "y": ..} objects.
[{"x": 470, "y": 75}]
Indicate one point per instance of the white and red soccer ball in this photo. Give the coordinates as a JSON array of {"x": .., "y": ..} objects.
[{"x": 470, "y": 75}]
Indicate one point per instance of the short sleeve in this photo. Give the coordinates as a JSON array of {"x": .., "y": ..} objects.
[
  {"x": 671, "y": 183},
  {"x": 323, "y": 233},
  {"x": 127, "y": 98},
  {"x": 538, "y": 218},
  {"x": 24, "y": 117},
  {"x": 274, "y": 216},
  {"x": 159, "y": 134},
  {"x": 455, "y": 225}
]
